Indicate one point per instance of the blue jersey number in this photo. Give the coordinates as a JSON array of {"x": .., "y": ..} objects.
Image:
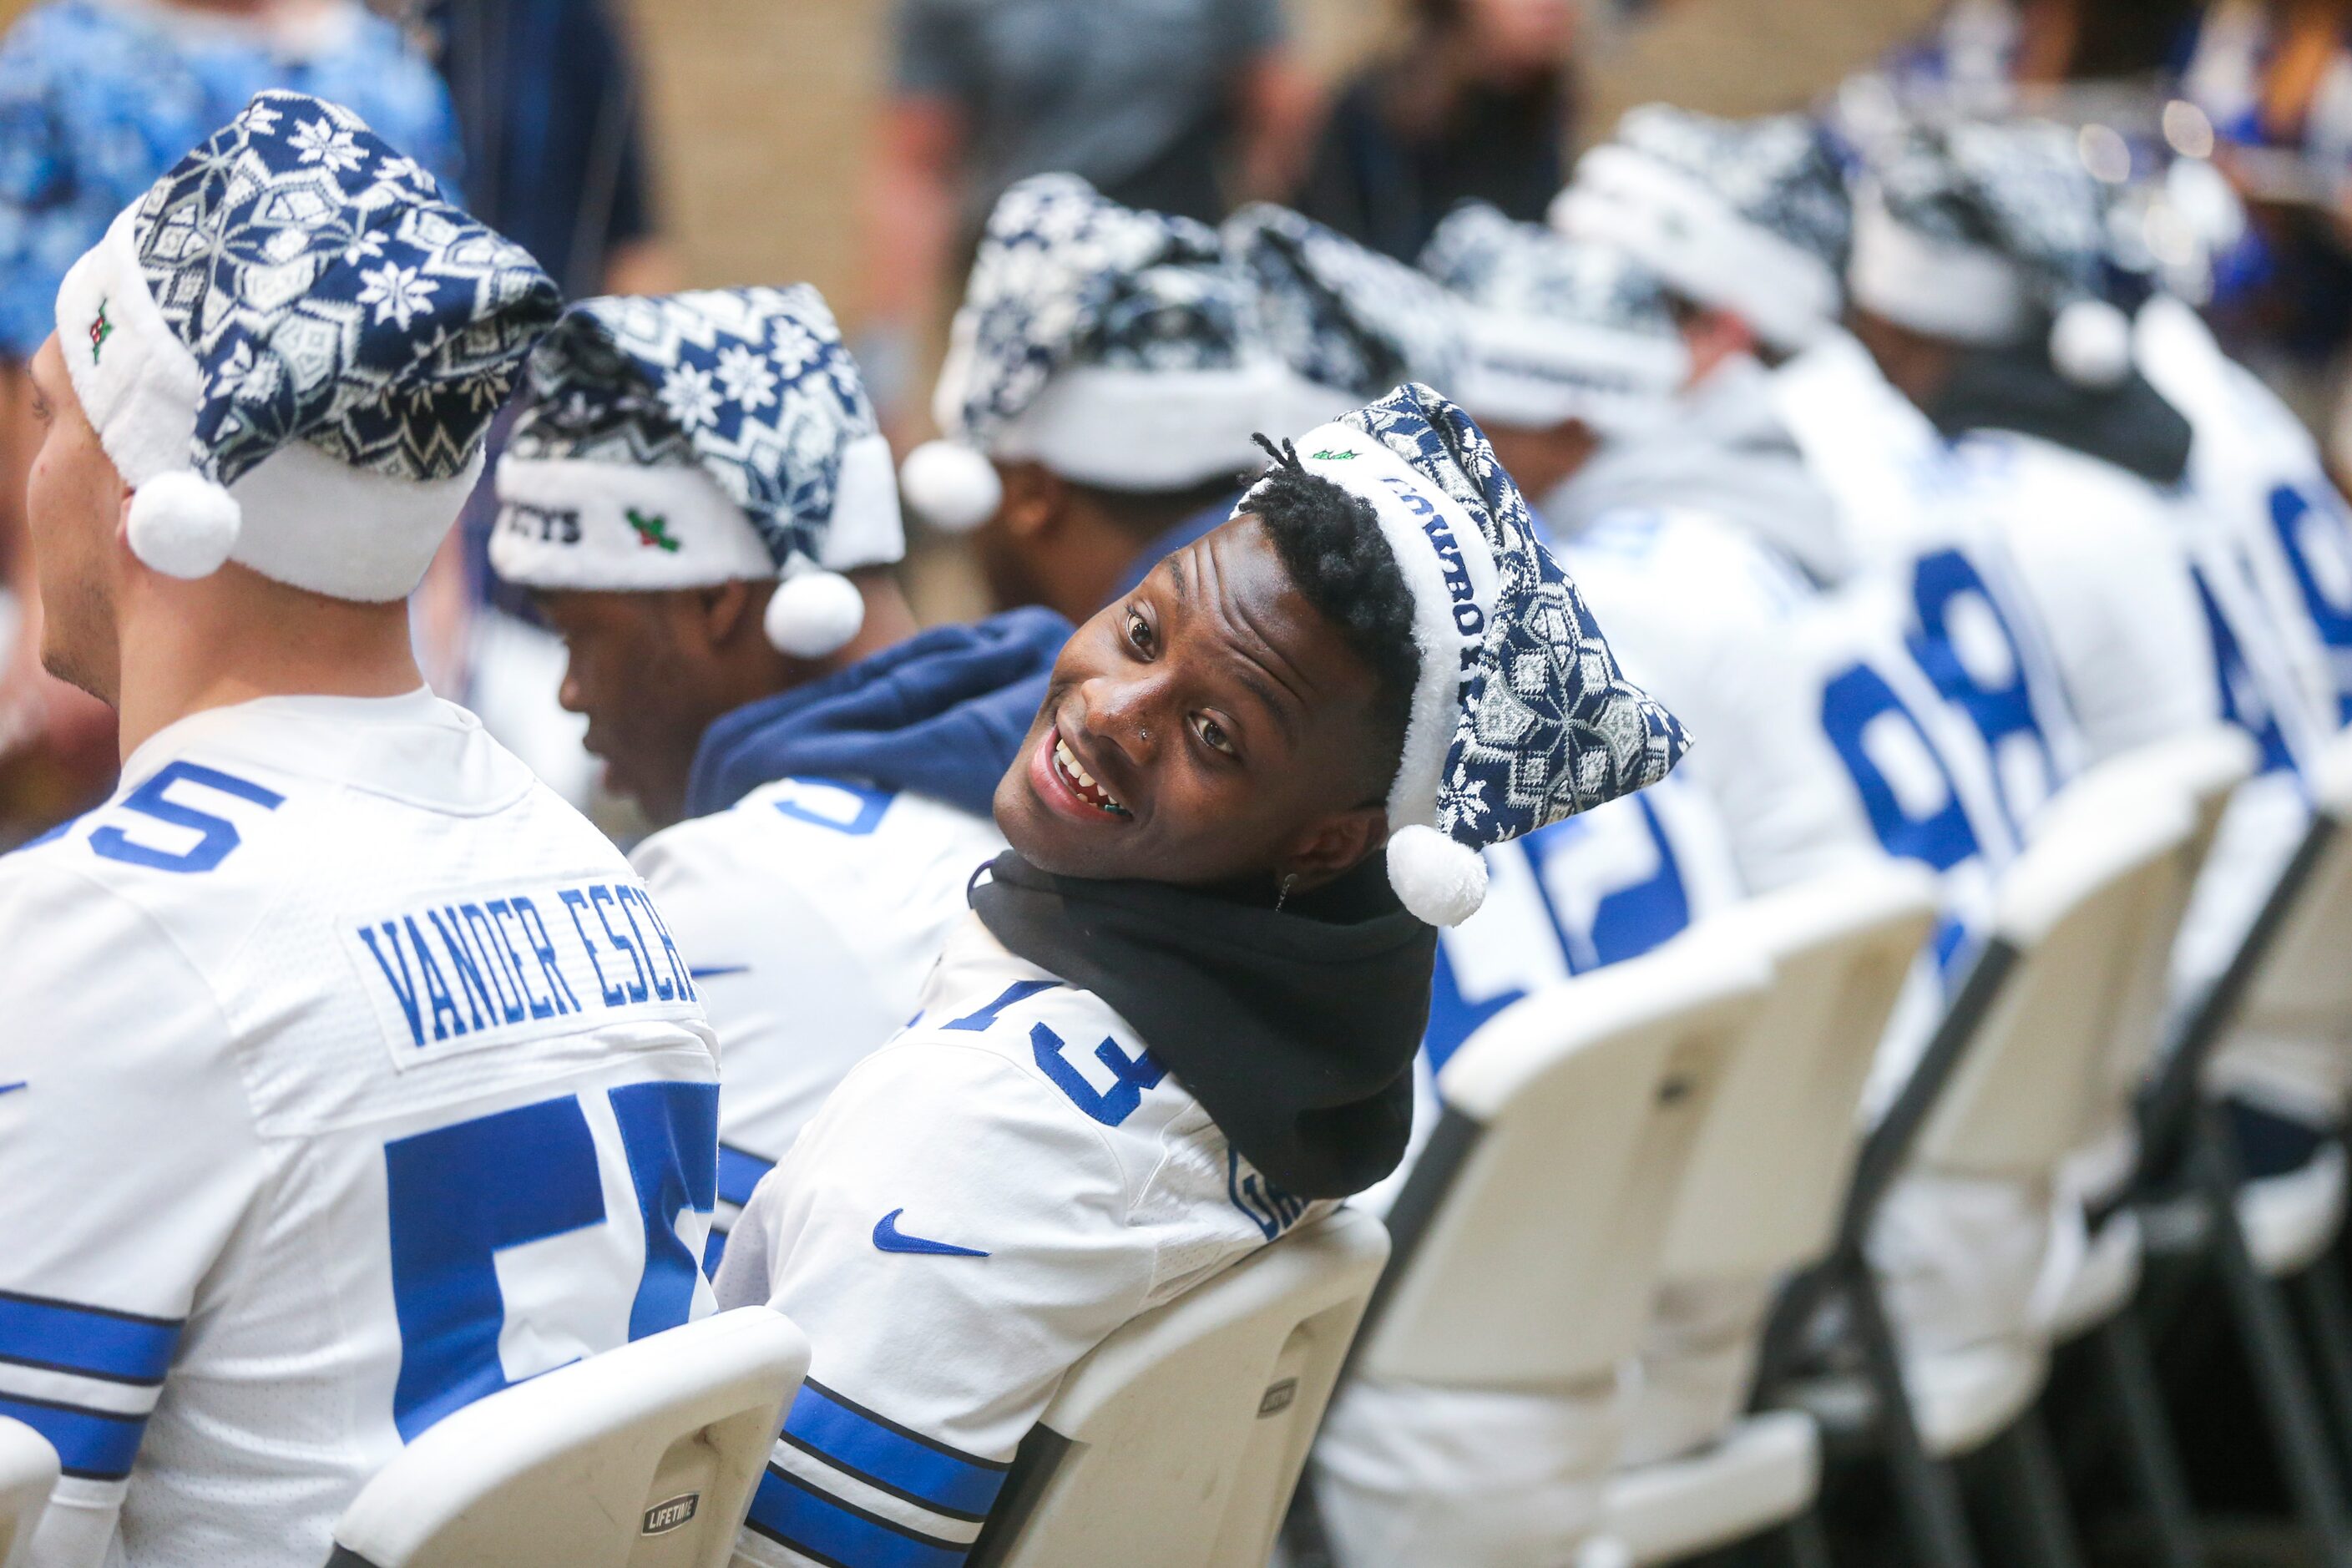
[
  {"x": 2317, "y": 536},
  {"x": 216, "y": 836},
  {"x": 458, "y": 1196},
  {"x": 1908, "y": 793},
  {"x": 2243, "y": 701},
  {"x": 845, "y": 808},
  {"x": 1583, "y": 892},
  {"x": 1969, "y": 650},
  {"x": 1130, "y": 1076}
]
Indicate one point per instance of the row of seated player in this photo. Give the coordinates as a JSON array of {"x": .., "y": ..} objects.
[{"x": 460, "y": 1054}]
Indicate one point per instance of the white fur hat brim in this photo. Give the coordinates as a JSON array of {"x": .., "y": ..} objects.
[{"x": 1699, "y": 244}]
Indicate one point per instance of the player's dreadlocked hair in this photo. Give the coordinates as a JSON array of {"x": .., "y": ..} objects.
[{"x": 1330, "y": 543}]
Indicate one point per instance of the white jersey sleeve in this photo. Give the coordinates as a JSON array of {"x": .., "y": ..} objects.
[
  {"x": 978, "y": 1205},
  {"x": 812, "y": 911},
  {"x": 128, "y": 1161}
]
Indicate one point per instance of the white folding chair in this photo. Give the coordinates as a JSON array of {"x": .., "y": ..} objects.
[
  {"x": 1527, "y": 1239},
  {"x": 1178, "y": 1441},
  {"x": 642, "y": 1456},
  {"x": 28, "y": 1473},
  {"x": 2201, "y": 769},
  {"x": 1766, "y": 1175},
  {"x": 2002, "y": 1092},
  {"x": 2289, "y": 973},
  {"x": 1529, "y": 1234}
]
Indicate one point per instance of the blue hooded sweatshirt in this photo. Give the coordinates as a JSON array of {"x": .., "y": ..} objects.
[{"x": 942, "y": 714}]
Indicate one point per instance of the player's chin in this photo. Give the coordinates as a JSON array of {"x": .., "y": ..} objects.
[{"x": 1053, "y": 842}]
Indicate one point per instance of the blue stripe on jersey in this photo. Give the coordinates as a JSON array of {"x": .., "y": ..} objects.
[
  {"x": 794, "y": 1512},
  {"x": 884, "y": 1455},
  {"x": 739, "y": 1171},
  {"x": 714, "y": 1249},
  {"x": 91, "y": 1445},
  {"x": 89, "y": 1342}
]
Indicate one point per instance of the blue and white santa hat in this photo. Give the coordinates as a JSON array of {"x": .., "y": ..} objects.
[
  {"x": 685, "y": 441},
  {"x": 291, "y": 348},
  {"x": 1748, "y": 217},
  {"x": 1558, "y": 328},
  {"x": 1990, "y": 233},
  {"x": 1120, "y": 349},
  {"x": 1521, "y": 715},
  {"x": 1345, "y": 323}
]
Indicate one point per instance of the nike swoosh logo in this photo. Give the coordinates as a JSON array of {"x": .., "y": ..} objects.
[
  {"x": 890, "y": 1239},
  {"x": 713, "y": 971},
  {"x": 11, "y": 1088}
]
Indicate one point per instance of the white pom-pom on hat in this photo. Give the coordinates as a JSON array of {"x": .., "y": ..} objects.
[
  {"x": 950, "y": 486},
  {"x": 2091, "y": 343},
  {"x": 183, "y": 525},
  {"x": 1439, "y": 880},
  {"x": 813, "y": 614}
]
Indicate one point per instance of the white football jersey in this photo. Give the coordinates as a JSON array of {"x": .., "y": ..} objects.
[
  {"x": 1965, "y": 613},
  {"x": 2100, "y": 554},
  {"x": 979, "y": 1204},
  {"x": 1828, "y": 741},
  {"x": 1591, "y": 890},
  {"x": 348, "y": 1075},
  {"x": 2258, "y": 471},
  {"x": 813, "y": 909},
  {"x": 2272, "y": 546},
  {"x": 1761, "y": 666}
]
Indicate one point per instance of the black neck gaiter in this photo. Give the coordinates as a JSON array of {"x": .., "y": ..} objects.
[{"x": 1294, "y": 1028}]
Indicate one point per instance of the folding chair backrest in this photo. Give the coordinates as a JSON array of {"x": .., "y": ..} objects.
[
  {"x": 1178, "y": 1441},
  {"x": 2304, "y": 983},
  {"x": 643, "y": 1456},
  {"x": 2201, "y": 769},
  {"x": 28, "y": 1471},
  {"x": 1769, "y": 1170},
  {"x": 1537, "y": 1211},
  {"x": 2076, "y": 907}
]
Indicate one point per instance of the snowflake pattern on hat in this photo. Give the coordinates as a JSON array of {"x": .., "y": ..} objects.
[
  {"x": 330, "y": 293},
  {"x": 1779, "y": 172},
  {"x": 751, "y": 385},
  {"x": 1528, "y": 270},
  {"x": 1339, "y": 315},
  {"x": 2018, "y": 186},
  {"x": 1549, "y": 724},
  {"x": 1064, "y": 276}
]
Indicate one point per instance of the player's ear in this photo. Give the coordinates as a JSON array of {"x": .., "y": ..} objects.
[
  {"x": 727, "y": 611},
  {"x": 1034, "y": 499},
  {"x": 1332, "y": 845}
]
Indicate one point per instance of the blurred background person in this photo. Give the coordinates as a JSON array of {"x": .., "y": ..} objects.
[
  {"x": 549, "y": 106},
  {"x": 96, "y": 98},
  {"x": 1982, "y": 56},
  {"x": 2272, "y": 79},
  {"x": 1475, "y": 102},
  {"x": 1184, "y": 107}
]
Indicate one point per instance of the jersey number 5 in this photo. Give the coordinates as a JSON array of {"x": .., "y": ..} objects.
[{"x": 459, "y": 1195}]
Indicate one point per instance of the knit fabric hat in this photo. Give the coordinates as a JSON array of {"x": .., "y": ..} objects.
[
  {"x": 1748, "y": 217},
  {"x": 1347, "y": 323},
  {"x": 682, "y": 440},
  {"x": 291, "y": 348},
  {"x": 1989, "y": 233},
  {"x": 1558, "y": 329},
  {"x": 1521, "y": 715},
  {"x": 1119, "y": 348}
]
